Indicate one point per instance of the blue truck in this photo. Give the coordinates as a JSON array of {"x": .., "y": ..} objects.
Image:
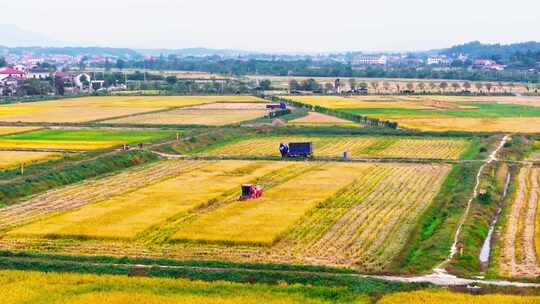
[
  {"x": 275, "y": 106},
  {"x": 298, "y": 149}
]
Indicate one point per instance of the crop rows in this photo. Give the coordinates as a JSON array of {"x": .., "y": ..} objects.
[
  {"x": 90, "y": 191},
  {"x": 125, "y": 216},
  {"x": 367, "y": 224},
  {"x": 389, "y": 147},
  {"x": 264, "y": 221},
  {"x": 521, "y": 239}
]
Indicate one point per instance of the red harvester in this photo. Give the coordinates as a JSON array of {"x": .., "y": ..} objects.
[{"x": 250, "y": 191}]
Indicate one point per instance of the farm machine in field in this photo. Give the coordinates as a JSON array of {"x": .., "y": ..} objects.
[
  {"x": 250, "y": 191},
  {"x": 298, "y": 149}
]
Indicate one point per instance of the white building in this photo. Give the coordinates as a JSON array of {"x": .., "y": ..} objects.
[
  {"x": 370, "y": 60},
  {"x": 38, "y": 73},
  {"x": 438, "y": 60}
]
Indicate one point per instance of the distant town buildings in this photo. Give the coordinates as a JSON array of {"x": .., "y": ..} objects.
[{"x": 486, "y": 64}]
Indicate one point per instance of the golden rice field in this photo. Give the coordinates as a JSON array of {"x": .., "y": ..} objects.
[
  {"x": 192, "y": 116},
  {"x": 15, "y": 130},
  {"x": 11, "y": 159},
  {"x": 520, "y": 244},
  {"x": 99, "y": 108},
  {"x": 126, "y": 216},
  {"x": 265, "y": 220},
  {"x": 361, "y": 146},
  {"x": 447, "y": 297},
  {"x": 315, "y": 118},
  {"x": 345, "y": 214},
  {"x": 39, "y": 287}
]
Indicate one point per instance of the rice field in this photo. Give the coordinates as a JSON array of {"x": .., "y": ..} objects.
[
  {"x": 361, "y": 146},
  {"x": 264, "y": 221},
  {"x": 193, "y": 116},
  {"x": 441, "y": 113},
  {"x": 11, "y": 159},
  {"x": 88, "y": 109},
  {"x": 368, "y": 223},
  {"x": 126, "y": 216},
  {"x": 14, "y": 130},
  {"x": 39, "y": 287},
  {"x": 520, "y": 244},
  {"x": 79, "y": 139},
  {"x": 447, "y": 297}
]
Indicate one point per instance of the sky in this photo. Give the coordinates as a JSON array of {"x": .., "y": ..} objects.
[{"x": 277, "y": 25}]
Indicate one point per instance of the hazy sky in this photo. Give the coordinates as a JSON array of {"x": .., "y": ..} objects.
[{"x": 277, "y": 25}]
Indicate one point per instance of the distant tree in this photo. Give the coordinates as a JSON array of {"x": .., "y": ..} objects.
[
  {"x": 501, "y": 86},
  {"x": 433, "y": 85},
  {"x": 410, "y": 86},
  {"x": 294, "y": 85},
  {"x": 467, "y": 86},
  {"x": 310, "y": 85},
  {"x": 353, "y": 83},
  {"x": 265, "y": 84},
  {"x": 171, "y": 79},
  {"x": 422, "y": 86},
  {"x": 328, "y": 87},
  {"x": 511, "y": 85},
  {"x": 478, "y": 86},
  {"x": 489, "y": 86},
  {"x": 456, "y": 86},
  {"x": 120, "y": 64},
  {"x": 386, "y": 86},
  {"x": 59, "y": 86},
  {"x": 3, "y": 62},
  {"x": 363, "y": 85},
  {"x": 375, "y": 86},
  {"x": 443, "y": 85}
]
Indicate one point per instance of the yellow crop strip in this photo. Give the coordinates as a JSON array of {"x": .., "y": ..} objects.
[
  {"x": 447, "y": 297},
  {"x": 10, "y": 159},
  {"x": 125, "y": 216},
  {"x": 15, "y": 130},
  {"x": 265, "y": 220},
  {"x": 39, "y": 287},
  {"x": 361, "y": 146},
  {"x": 98, "y": 108},
  {"x": 57, "y": 144}
]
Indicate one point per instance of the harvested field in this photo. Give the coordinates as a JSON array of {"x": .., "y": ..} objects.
[
  {"x": 126, "y": 216},
  {"x": 15, "y": 130},
  {"x": 11, "y": 159},
  {"x": 79, "y": 139},
  {"x": 368, "y": 223},
  {"x": 520, "y": 250},
  {"x": 40, "y": 287},
  {"x": 314, "y": 118},
  {"x": 362, "y": 146},
  {"x": 91, "y": 191},
  {"x": 447, "y": 297},
  {"x": 231, "y": 106},
  {"x": 98, "y": 108},
  {"x": 191, "y": 116},
  {"x": 264, "y": 221}
]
